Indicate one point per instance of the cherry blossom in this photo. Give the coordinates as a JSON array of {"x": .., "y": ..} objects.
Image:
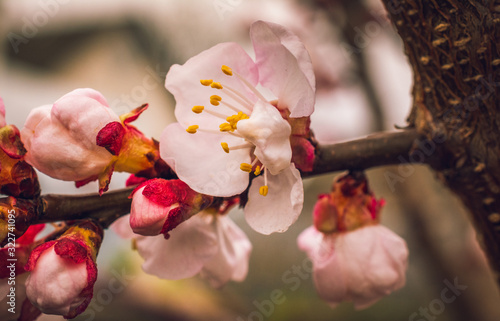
[
  {"x": 240, "y": 135},
  {"x": 79, "y": 138},
  {"x": 361, "y": 266},
  {"x": 354, "y": 258},
  {"x": 208, "y": 244}
]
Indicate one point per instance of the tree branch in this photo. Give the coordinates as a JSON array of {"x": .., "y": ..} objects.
[
  {"x": 379, "y": 149},
  {"x": 375, "y": 150},
  {"x": 105, "y": 209}
]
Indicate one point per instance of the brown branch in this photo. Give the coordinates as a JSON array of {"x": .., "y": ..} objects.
[
  {"x": 379, "y": 149},
  {"x": 105, "y": 209},
  {"x": 375, "y": 150}
]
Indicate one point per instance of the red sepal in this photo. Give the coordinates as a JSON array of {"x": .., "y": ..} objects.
[{"x": 111, "y": 137}]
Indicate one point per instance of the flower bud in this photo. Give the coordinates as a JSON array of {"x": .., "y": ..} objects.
[
  {"x": 159, "y": 205},
  {"x": 79, "y": 138},
  {"x": 63, "y": 272}
]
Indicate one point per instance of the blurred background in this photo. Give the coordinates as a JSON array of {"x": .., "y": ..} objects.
[{"x": 124, "y": 48}]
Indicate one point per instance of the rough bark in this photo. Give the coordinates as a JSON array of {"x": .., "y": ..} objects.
[{"x": 453, "y": 48}]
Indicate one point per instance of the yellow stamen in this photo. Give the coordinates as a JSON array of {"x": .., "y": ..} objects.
[
  {"x": 225, "y": 127},
  {"x": 192, "y": 129},
  {"x": 225, "y": 147},
  {"x": 257, "y": 170},
  {"x": 198, "y": 109},
  {"x": 206, "y": 82},
  {"x": 216, "y": 85},
  {"x": 228, "y": 71},
  {"x": 263, "y": 190},
  {"x": 246, "y": 167},
  {"x": 214, "y": 102},
  {"x": 216, "y": 97}
]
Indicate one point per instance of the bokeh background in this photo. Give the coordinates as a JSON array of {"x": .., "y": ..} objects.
[{"x": 124, "y": 48}]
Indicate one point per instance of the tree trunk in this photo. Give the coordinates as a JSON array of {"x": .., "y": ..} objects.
[{"x": 453, "y": 48}]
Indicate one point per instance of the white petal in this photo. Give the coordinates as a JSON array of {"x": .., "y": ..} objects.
[
  {"x": 231, "y": 261},
  {"x": 184, "y": 82},
  {"x": 284, "y": 67},
  {"x": 282, "y": 205},
  {"x": 183, "y": 255},
  {"x": 270, "y": 134},
  {"x": 199, "y": 160}
]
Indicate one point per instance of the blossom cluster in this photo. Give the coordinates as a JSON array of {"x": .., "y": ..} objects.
[{"x": 242, "y": 138}]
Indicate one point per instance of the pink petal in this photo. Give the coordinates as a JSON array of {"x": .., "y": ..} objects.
[
  {"x": 184, "y": 82},
  {"x": 122, "y": 227},
  {"x": 2, "y": 113},
  {"x": 184, "y": 254},
  {"x": 199, "y": 161},
  {"x": 90, "y": 93},
  {"x": 231, "y": 261},
  {"x": 282, "y": 205},
  {"x": 284, "y": 67}
]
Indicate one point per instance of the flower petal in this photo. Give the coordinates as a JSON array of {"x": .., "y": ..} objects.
[
  {"x": 2, "y": 113},
  {"x": 184, "y": 82},
  {"x": 270, "y": 134},
  {"x": 231, "y": 261},
  {"x": 282, "y": 205},
  {"x": 183, "y": 255},
  {"x": 122, "y": 227},
  {"x": 284, "y": 67},
  {"x": 199, "y": 161}
]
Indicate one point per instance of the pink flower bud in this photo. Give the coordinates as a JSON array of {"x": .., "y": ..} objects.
[
  {"x": 79, "y": 138},
  {"x": 55, "y": 284},
  {"x": 61, "y": 138},
  {"x": 63, "y": 272},
  {"x": 159, "y": 205}
]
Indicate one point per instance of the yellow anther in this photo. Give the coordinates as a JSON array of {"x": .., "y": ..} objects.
[
  {"x": 263, "y": 190},
  {"x": 216, "y": 85},
  {"x": 246, "y": 167},
  {"x": 215, "y": 102},
  {"x": 225, "y": 127},
  {"x": 206, "y": 82},
  {"x": 192, "y": 129},
  {"x": 225, "y": 147},
  {"x": 257, "y": 170},
  {"x": 228, "y": 71},
  {"x": 197, "y": 109},
  {"x": 216, "y": 97}
]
